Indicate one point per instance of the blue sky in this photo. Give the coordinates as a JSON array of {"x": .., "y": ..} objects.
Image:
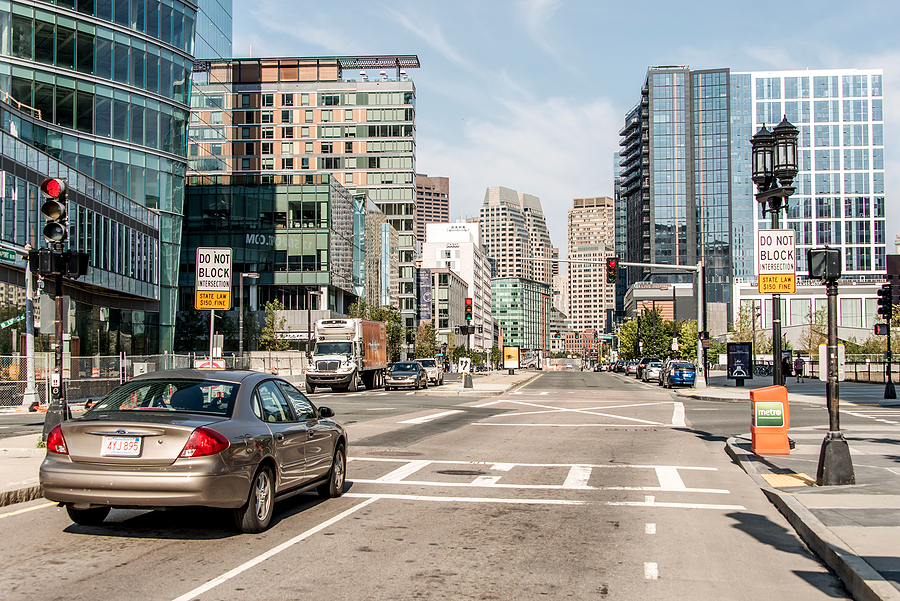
[{"x": 531, "y": 94}]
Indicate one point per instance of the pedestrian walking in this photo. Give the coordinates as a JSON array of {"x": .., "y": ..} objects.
[
  {"x": 798, "y": 368},
  {"x": 785, "y": 370}
]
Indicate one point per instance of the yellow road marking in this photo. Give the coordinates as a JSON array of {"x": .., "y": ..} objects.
[
  {"x": 783, "y": 480},
  {"x": 17, "y": 512}
]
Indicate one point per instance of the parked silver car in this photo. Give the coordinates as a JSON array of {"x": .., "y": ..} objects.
[
  {"x": 434, "y": 369},
  {"x": 407, "y": 374},
  {"x": 227, "y": 439}
]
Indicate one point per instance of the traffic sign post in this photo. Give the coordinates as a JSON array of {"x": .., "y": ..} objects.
[
  {"x": 776, "y": 261},
  {"x": 212, "y": 285}
]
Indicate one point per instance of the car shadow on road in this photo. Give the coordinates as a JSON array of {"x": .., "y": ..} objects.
[{"x": 189, "y": 523}]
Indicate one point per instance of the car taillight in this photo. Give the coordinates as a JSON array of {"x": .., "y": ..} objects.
[
  {"x": 204, "y": 441},
  {"x": 55, "y": 441}
]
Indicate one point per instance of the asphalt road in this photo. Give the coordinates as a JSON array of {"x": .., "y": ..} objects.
[{"x": 579, "y": 486}]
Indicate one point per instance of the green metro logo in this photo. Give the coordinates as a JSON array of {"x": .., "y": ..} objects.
[{"x": 769, "y": 415}]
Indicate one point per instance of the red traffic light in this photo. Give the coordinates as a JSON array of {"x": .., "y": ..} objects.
[
  {"x": 53, "y": 188},
  {"x": 613, "y": 263}
]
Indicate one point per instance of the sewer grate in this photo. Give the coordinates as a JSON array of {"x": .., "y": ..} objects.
[
  {"x": 394, "y": 454},
  {"x": 462, "y": 473}
]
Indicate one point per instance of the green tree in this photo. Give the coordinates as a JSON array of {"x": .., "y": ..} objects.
[
  {"x": 270, "y": 338},
  {"x": 496, "y": 356},
  {"x": 628, "y": 340},
  {"x": 687, "y": 340},
  {"x": 426, "y": 340},
  {"x": 656, "y": 334},
  {"x": 815, "y": 332}
]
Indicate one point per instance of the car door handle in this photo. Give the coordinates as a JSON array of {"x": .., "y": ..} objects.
[
  {"x": 310, "y": 434},
  {"x": 279, "y": 437}
]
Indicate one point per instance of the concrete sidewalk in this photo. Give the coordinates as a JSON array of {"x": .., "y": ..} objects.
[{"x": 854, "y": 529}]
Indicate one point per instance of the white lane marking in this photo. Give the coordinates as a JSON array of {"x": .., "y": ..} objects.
[
  {"x": 26, "y": 510},
  {"x": 270, "y": 553},
  {"x": 381, "y": 409},
  {"x": 410, "y": 392},
  {"x": 578, "y": 477},
  {"x": 502, "y": 467},
  {"x": 518, "y": 425},
  {"x": 486, "y": 404},
  {"x": 669, "y": 478},
  {"x": 678, "y": 505},
  {"x": 354, "y": 394},
  {"x": 485, "y": 480},
  {"x": 649, "y": 528},
  {"x": 428, "y": 418},
  {"x": 477, "y": 483},
  {"x": 601, "y": 465},
  {"x": 678, "y": 415},
  {"x": 651, "y": 570},
  {"x": 465, "y": 499},
  {"x": 402, "y": 472}
]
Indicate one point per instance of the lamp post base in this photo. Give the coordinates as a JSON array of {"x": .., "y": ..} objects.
[
  {"x": 889, "y": 392},
  {"x": 835, "y": 465}
]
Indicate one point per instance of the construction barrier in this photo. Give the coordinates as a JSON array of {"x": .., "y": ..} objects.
[{"x": 771, "y": 420}]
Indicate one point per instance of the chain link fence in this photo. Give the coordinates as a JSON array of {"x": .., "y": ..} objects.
[{"x": 93, "y": 377}]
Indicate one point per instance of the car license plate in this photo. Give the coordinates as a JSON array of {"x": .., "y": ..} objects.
[{"x": 123, "y": 446}]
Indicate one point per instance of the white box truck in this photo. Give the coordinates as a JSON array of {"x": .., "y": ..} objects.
[{"x": 348, "y": 352}]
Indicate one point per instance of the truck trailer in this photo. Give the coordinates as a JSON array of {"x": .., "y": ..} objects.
[{"x": 348, "y": 352}]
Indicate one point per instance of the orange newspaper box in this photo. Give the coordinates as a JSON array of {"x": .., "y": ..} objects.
[{"x": 771, "y": 420}]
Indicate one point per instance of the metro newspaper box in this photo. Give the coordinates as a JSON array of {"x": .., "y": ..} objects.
[{"x": 771, "y": 420}]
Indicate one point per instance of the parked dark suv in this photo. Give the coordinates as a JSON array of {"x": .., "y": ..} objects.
[{"x": 644, "y": 361}]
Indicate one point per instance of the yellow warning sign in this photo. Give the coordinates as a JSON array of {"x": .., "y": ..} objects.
[
  {"x": 212, "y": 300},
  {"x": 781, "y": 283}
]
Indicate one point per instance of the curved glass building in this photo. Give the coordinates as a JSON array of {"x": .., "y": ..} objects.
[{"x": 103, "y": 87}]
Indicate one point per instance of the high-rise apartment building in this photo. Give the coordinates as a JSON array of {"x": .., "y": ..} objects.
[
  {"x": 514, "y": 232},
  {"x": 685, "y": 184},
  {"x": 458, "y": 247},
  {"x": 591, "y": 234},
  {"x": 97, "y": 92},
  {"x": 285, "y": 121},
  {"x": 432, "y": 202}
]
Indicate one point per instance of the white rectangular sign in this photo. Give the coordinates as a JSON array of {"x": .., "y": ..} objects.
[
  {"x": 212, "y": 279},
  {"x": 776, "y": 252}
]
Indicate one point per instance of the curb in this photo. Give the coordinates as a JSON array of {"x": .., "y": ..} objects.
[
  {"x": 861, "y": 579},
  {"x": 22, "y": 495}
]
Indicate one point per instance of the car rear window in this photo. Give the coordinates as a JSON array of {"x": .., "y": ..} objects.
[
  {"x": 404, "y": 367},
  {"x": 179, "y": 396},
  {"x": 427, "y": 362}
]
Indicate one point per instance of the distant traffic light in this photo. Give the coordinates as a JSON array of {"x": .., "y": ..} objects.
[
  {"x": 56, "y": 230},
  {"x": 612, "y": 270},
  {"x": 468, "y": 309},
  {"x": 885, "y": 301}
]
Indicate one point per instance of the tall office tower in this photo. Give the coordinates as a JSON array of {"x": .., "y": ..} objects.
[
  {"x": 432, "y": 202},
  {"x": 620, "y": 235},
  {"x": 513, "y": 229},
  {"x": 102, "y": 88},
  {"x": 591, "y": 242},
  {"x": 840, "y": 188},
  {"x": 214, "y": 27},
  {"x": 685, "y": 171},
  {"x": 261, "y": 121}
]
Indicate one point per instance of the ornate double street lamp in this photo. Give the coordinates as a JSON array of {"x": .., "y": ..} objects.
[{"x": 774, "y": 163}]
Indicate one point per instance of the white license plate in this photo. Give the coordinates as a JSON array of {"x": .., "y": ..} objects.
[{"x": 123, "y": 446}]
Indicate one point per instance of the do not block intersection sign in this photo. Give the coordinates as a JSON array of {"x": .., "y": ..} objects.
[
  {"x": 212, "y": 279},
  {"x": 776, "y": 261}
]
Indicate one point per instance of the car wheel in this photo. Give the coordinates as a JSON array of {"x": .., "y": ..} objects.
[
  {"x": 335, "y": 485},
  {"x": 310, "y": 388},
  {"x": 87, "y": 517},
  {"x": 256, "y": 513}
]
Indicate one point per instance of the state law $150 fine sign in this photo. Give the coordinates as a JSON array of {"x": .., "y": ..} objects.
[{"x": 776, "y": 261}]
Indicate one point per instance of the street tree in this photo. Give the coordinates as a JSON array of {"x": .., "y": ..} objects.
[
  {"x": 270, "y": 338},
  {"x": 815, "y": 332},
  {"x": 426, "y": 340}
]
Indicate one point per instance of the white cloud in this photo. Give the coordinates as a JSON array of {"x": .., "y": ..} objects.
[
  {"x": 430, "y": 31},
  {"x": 557, "y": 149}
]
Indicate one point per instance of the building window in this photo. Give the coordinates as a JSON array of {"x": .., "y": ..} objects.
[
  {"x": 268, "y": 133},
  {"x": 286, "y": 116},
  {"x": 287, "y": 163},
  {"x": 304, "y": 99},
  {"x": 304, "y": 163},
  {"x": 268, "y": 164},
  {"x": 325, "y": 116},
  {"x": 309, "y": 148},
  {"x": 287, "y": 148},
  {"x": 265, "y": 148},
  {"x": 348, "y": 147},
  {"x": 308, "y": 116},
  {"x": 267, "y": 117},
  {"x": 245, "y": 133},
  {"x": 287, "y": 100},
  {"x": 245, "y": 101},
  {"x": 245, "y": 164},
  {"x": 326, "y": 148},
  {"x": 287, "y": 132},
  {"x": 249, "y": 148},
  {"x": 348, "y": 178},
  {"x": 304, "y": 132},
  {"x": 268, "y": 100},
  {"x": 248, "y": 117},
  {"x": 348, "y": 114}
]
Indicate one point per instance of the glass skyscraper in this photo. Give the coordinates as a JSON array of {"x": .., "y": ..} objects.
[{"x": 684, "y": 179}]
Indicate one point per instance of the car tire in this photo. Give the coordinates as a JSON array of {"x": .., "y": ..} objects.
[
  {"x": 310, "y": 389},
  {"x": 256, "y": 513},
  {"x": 336, "y": 476},
  {"x": 87, "y": 517}
]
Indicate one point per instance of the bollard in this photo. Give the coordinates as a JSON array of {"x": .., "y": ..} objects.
[
  {"x": 467, "y": 380},
  {"x": 771, "y": 420}
]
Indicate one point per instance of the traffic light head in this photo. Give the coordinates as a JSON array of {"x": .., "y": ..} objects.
[
  {"x": 56, "y": 230},
  {"x": 885, "y": 301},
  {"x": 612, "y": 270},
  {"x": 468, "y": 309}
]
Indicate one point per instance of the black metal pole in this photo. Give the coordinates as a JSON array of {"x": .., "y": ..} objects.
[
  {"x": 777, "y": 372},
  {"x": 59, "y": 409},
  {"x": 889, "y": 391},
  {"x": 835, "y": 466}
]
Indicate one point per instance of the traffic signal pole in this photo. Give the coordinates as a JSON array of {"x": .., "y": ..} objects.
[{"x": 886, "y": 311}]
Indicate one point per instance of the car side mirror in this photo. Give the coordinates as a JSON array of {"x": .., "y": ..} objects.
[{"x": 326, "y": 412}]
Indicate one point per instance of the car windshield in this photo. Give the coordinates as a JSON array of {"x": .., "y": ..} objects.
[
  {"x": 427, "y": 362},
  {"x": 333, "y": 348},
  {"x": 185, "y": 396},
  {"x": 404, "y": 367},
  {"x": 683, "y": 366},
  {"x": 651, "y": 365}
]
